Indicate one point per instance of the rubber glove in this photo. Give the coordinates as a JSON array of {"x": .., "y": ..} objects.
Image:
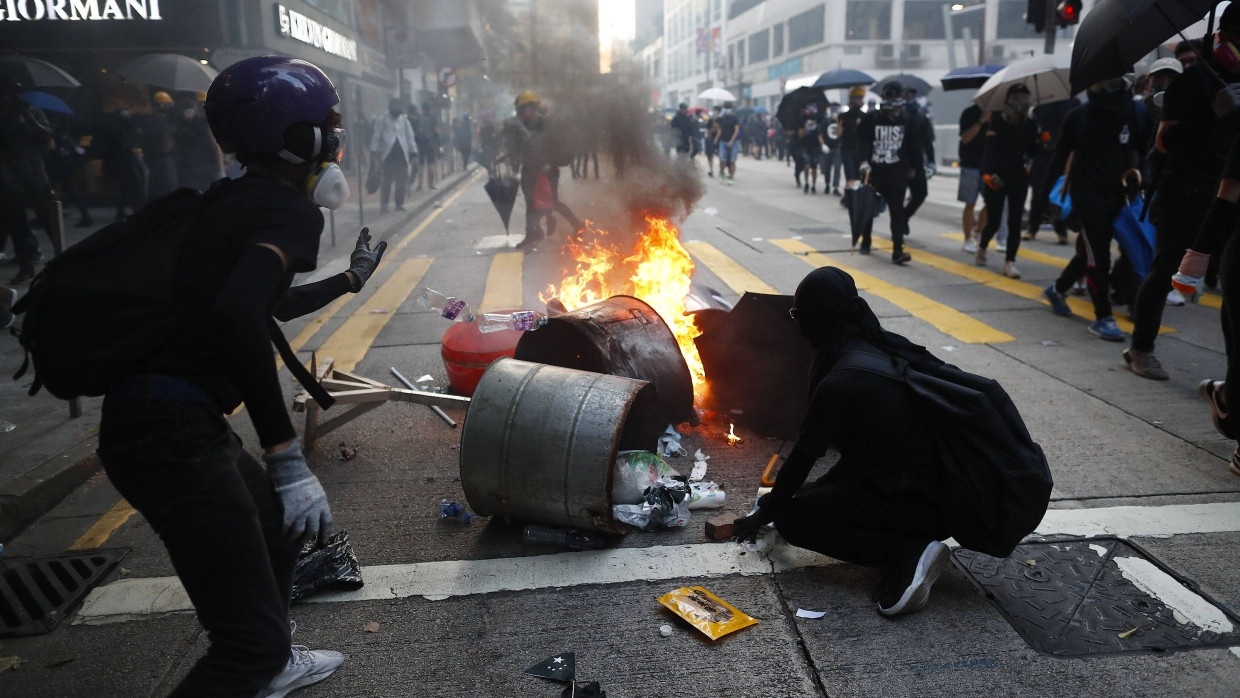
[
  {"x": 364, "y": 260},
  {"x": 306, "y": 513}
]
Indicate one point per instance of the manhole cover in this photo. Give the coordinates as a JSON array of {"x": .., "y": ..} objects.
[
  {"x": 1096, "y": 597},
  {"x": 36, "y": 594}
]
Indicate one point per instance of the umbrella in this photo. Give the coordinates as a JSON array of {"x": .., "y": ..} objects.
[
  {"x": 1045, "y": 76},
  {"x": 47, "y": 102},
  {"x": 862, "y": 208},
  {"x": 844, "y": 77},
  {"x": 171, "y": 71},
  {"x": 32, "y": 72},
  {"x": 907, "y": 81},
  {"x": 968, "y": 78},
  {"x": 717, "y": 93},
  {"x": 791, "y": 109},
  {"x": 1117, "y": 33},
  {"x": 762, "y": 110},
  {"x": 757, "y": 364},
  {"x": 503, "y": 193}
]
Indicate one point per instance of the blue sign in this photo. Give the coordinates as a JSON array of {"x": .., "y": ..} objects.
[{"x": 787, "y": 69}]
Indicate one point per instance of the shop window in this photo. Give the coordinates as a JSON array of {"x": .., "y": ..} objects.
[
  {"x": 867, "y": 20},
  {"x": 809, "y": 27},
  {"x": 760, "y": 46},
  {"x": 777, "y": 40}
]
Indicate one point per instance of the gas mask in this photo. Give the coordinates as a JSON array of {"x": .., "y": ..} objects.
[
  {"x": 327, "y": 185},
  {"x": 1226, "y": 52},
  {"x": 891, "y": 107}
]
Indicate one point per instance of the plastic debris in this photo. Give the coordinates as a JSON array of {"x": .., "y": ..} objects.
[
  {"x": 669, "y": 444},
  {"x": 665, "y": 630},
  {"x": 521, "y": 320},
  {"x": 454, "y": 511},
  {"x": 666, "y": 505},
  {"x": 450, "y": 307},
  {"x": 698, "y": 472},
  {"x": 329, "y": 565},
  {"x": 1051, "y": 343},
  {"x": 425, "y": 378},
  {"x": 346, "y": 452},
  {"x": 371, "y": 627},
  {"x": 710, "y": 211},
  {"x": 634, "y": 472},
  {"x": 706, "y": 495},
  {"x": 706, "y": 612},
  {"x": 802, "y": 613},
  {"x": 562, "y": 667}
]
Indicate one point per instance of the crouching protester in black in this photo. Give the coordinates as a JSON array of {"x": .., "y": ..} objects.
[
  {"x": 232, "y": 528},
  {"x": 877, "y": 504}
]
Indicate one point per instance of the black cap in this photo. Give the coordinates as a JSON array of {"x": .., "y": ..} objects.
[
  {"x": 684, "y": 105},
  {"x": 893, "y": 89},
  {"x": 1018, "y": 88}
]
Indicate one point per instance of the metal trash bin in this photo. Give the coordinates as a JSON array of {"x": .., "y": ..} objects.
[{"x": 539, "y": 442}]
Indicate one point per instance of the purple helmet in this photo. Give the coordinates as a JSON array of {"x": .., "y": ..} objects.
[{"x": 253, "y": 101}]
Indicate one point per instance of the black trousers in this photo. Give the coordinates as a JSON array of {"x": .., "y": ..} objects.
[
  {"x": 1014, "y": 191},
  {"x": 179, "y": 464},
  {"x": 918, "y": 189},
  {"x": 15, "y": 224},
  {"x": 891, "y": 182},
  {"x": 395, "y": 174},
  {"x": 1177, "y": 215},
  {"x": 1229, "y": 268},
  {"x": 1093, "y": 250}
]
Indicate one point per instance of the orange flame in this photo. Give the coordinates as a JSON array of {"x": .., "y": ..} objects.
[{"x": 658, "y": 270}]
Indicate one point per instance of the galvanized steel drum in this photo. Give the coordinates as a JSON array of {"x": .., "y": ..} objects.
[
  {"x": 621, "y": 336},
  {"x": 539, "y": 442}
]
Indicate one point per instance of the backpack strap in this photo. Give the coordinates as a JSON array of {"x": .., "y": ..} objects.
[{"x": 299, "y": 372}]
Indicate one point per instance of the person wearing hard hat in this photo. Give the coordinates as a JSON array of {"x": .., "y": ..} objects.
[
  {"x": 541, "y": 155},
  {"x": 157, "y": 145},
  {"x": 847, "y": 125}
]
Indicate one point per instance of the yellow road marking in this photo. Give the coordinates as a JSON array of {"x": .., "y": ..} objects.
[
  {"x": 945, "y": 318},
  {"x": 738, "y": 278},
  {"x": 101, "y": 530},
  {"x": 350, "y": 342},
  {"x": 503, "y": 288}
]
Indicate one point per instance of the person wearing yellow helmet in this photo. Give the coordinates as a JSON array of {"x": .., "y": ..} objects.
[
  {"x": 157, "y": 145},
  {"x": 540, "y": 154}
]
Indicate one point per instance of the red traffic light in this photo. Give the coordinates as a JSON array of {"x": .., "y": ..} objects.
[{"x": 1068, "y": 12}]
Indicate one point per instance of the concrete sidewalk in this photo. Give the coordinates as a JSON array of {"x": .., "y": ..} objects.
[{"x": 48, "y": 453}]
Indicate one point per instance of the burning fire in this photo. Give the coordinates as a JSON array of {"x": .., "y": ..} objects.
[{"x": 658, "y": 270}]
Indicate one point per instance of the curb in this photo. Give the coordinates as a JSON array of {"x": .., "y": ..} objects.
[{"x": 25, "y": 499}]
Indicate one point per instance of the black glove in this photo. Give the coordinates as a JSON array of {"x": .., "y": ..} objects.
[
  {"x": 746, "y": 529},
  {"x": 364, "y": 260}
]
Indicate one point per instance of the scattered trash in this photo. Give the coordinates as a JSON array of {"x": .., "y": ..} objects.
[
  {"x": 125, "y": 571},
  {"x": 1051, "y": 343},
  {"x": 6, "y": 425},
  {"x": 1128, "y": 633},
  {"x": 710, "y": 211},
  {"x": 520, "y": 320},
  {"x": 666, "y": 505},
  {"x": 757, "y": 239},
  {"x": 706, "y": 495},
  {"x": 371, "y": 627},
  {"x": 425, "y": 378},
  {"x": 450, "y": 307},
  {"x": 562, "y": 667},
  {"x": 665, "y": 630},
  {"x": 569, "y": 538},
  {"x": 583, "y": 689},
  {"x": 796, "y": 237},
  {"x": 733, "y": 439},
  {"x": 698, "y": 472},
  {"x": 380, "y": 311},
  {"x": 669, "y": 444},
  {"x": 59, "y": 661},
  {"x": 948, "y": 347},
  {"x": 1031, "y": 563},
  {"x": 347, "y": 453},
  {"x": 331, "y": 565},
  {"x": 635, "y": 472},
  {"x": 454, "y": 511},
  {"x": 705, "y": 611},
  {"x": 438, "y": 204},
  {"x": 802, "y": 613},
  {"x": 7, "y": 663}
]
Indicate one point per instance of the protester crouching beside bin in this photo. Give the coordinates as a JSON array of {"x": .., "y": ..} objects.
[
  {"x": 877, "y": 504},
  {"x": 232, "y": 528}
]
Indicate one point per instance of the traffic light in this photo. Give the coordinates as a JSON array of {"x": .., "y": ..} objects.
[
  {"x": 1035, "y": 14},
  {"x": 1068, "y": 13}
]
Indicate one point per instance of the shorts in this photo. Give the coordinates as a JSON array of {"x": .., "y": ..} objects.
[
  {"x": 727, "y": 153},
  {"x": 970, "y": 185}
]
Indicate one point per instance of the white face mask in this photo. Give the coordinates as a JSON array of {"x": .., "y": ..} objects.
[{"x": 328, "y": 186}]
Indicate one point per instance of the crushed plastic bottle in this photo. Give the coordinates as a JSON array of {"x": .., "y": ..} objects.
[
  {"x": 450, "y": 307},
  {"x": 563, "y": 537},
  {"x": 522, "y": 320},
  {"x": 454, "y": 511}
]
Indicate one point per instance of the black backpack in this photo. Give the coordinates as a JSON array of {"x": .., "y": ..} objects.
[
  {"x": 102, "y": 306},
  {"x": 995, "y": 479}
]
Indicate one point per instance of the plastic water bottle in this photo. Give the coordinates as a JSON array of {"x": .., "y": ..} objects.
[
  {"x": 523, "y": 320},
  {"x": 562, "y": 537},
  {"x": 454, "y": 511},
  {"x": 450, "y": 307}
]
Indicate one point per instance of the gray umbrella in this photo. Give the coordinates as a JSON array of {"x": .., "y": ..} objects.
[
  {"x": 32, "y": 72},
  {"x": 171, "y": 71}
]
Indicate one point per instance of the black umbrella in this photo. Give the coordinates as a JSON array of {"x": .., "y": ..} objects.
[
  {"x": 791, "y": 110},
  {"x": 862, "y": 208},
  {"x": 844, "y": 77},
  {"x": 906, "y": 81},
  {"x": 171, "y": 71},
  {"x": 1118, "y": 33},
  {"x": 969, "y": 77},
  {"x": 503, "y": 193},
  {"x": 32, "y": 72}
]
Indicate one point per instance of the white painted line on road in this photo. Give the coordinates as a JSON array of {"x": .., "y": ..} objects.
[{"x": 131, "y": 599}]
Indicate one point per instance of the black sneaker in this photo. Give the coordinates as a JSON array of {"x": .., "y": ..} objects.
[
  {"x": 1209, "y": 391},
  {"x": 907, "y": 588},
  {"x": 806, "y": 188},
  {"x": 901, "y": 258}
]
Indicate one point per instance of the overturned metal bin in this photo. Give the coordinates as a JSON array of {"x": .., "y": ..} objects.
[
  {"x": 539, "y": 442},
  {"x": 620, "y": 336}
]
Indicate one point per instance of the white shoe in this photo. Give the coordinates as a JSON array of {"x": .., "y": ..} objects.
[
  {"x": 1175, "y": 298},
  {"x": 1001, "y": 244},
  {"x": 1010, "y": 270},
  {"x": 305, "y": 667},
  {"x": 970, "y": 246}
]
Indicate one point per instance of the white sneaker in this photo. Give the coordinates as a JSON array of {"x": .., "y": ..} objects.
[
  {"x": 1010, "y": 270},
  {"x": 1001, "y": 244},
  {"x": 1175, "y": 298},
  {"x": 970, "y": 246},
  {"x": 305, "y": 666}
]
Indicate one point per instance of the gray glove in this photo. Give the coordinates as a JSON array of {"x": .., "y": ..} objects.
[
  {"x": 364, "y": 260},
  {"x": 306, "y": 514}
]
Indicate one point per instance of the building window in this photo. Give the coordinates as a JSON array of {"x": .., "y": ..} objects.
[
  {"x": 760, "y": 46},
  {"x": 777, "y": 40},
  {"x": 740, "y": 53},
  {"x": 1011, "y": 23},
  {"x": 923, "y": 19},
  {"x": 867, "y": 20},
  {"x": 809, "y": 27},
  {"x": 739, "y": 7},
  {"x": 716, "y": 10},
  {"x": 731, "y": 56}
]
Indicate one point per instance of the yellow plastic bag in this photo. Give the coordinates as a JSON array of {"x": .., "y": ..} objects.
[{"x": 706, "y": 612}]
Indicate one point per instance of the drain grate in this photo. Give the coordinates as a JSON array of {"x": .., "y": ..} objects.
[
  {"x": 1097, "y": 597},
  {"x": 35, "y": 595}
]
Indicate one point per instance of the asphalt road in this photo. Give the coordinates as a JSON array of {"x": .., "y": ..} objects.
[{"x": 462, "y": 609}]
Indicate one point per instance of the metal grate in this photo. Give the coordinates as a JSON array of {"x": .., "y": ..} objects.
[
  {"x": 1081, "y": 597},
  {"x": 35, "y": 595}
]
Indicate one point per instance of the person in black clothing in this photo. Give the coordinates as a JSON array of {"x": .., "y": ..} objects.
[
  {"x": 541, "y": 153},
  {"x": 888, "y": 146},
  {"x": 199, "y": 161},
  {"x": 25, "y": 136},
  {"x": 1011, "y": 141},
  {"x": 1103, "y": 139},
  {"x": 877, "y": 504},
  {"x": 727, "y": 133},
  {"x": 683, "y": 131},
  {"x": 1049, "y": 118},
  {"x": 158, "y": 143},
  {"x": 921, "y": 161},
  {"x": 232, "y": 528},
  {"x": 850, "y": 145},
  {"x": 809, "y": 149},
  {"x": 829, "y": 142},
  {"x": 972, "y": 147}
]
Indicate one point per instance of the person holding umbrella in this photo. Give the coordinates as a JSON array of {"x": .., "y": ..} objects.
[
  {"x": 888, "y": 143},
  {"x": 1011, "y": 142},
  {"x": 849, "y": 124}
]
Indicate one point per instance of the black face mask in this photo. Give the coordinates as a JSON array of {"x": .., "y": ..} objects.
[{"x": 1108, "y": 100}]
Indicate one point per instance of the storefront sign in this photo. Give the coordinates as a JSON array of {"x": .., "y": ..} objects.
[
  {"x": 297, "y": 26},
  {"x": 18, "y": 10}
]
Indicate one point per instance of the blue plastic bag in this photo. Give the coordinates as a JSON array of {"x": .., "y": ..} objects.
[
  {"x": 1135, "y": 236},
  {"x": 1060, "y": 199}
]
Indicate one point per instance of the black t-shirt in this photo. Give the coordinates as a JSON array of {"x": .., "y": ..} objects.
[
  {"x": 1009, "y": 146},
  {"x": 1105, "y": 143},
  {"x": 970, "y": 153},
  {"x": 239, "y": 214},
  {"x": 850, "y": 124},
  {"x": 1203, "y": 139},
  {"x": 728, "y": 125},
  {"x": 830, "y": 132},
  {"x": 812, "y": 128}
]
